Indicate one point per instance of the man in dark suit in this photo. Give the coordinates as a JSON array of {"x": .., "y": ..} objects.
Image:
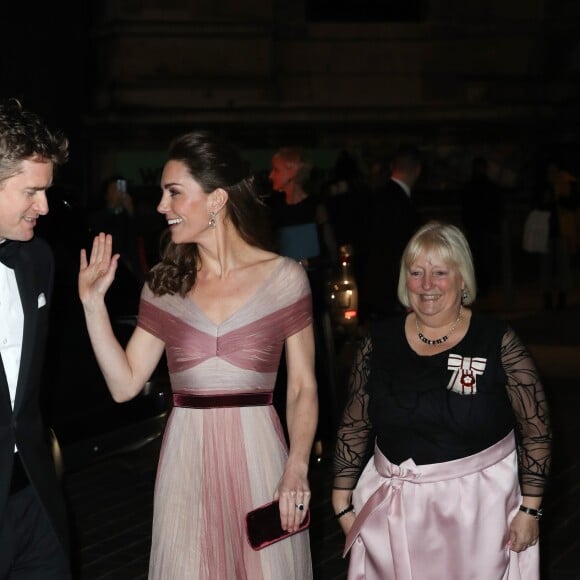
[
  {"x": 482, "y": 213},
  {"x": 392, "y": 218},
  {"x": 33, "y": 526}
]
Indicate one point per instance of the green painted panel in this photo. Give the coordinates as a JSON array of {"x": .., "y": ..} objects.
[{"x": 144, "y": 168}]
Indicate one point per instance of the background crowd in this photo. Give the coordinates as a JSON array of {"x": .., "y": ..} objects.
[{"x": 226, "y": 238}]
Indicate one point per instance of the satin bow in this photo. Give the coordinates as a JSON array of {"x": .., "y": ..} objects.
[{"x": 465, "y": 371}]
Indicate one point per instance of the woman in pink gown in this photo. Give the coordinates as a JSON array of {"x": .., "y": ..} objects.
[
  {"x": 462, "y": 435},
  {"x": 222, "y": 307}
]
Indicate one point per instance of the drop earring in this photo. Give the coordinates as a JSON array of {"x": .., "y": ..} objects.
[
  {"x": 212, "y": 223},
  {"x": 464, "y": 295}
]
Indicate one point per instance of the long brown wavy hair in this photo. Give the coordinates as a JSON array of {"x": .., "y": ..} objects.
[{"x": 213, "y": 163}]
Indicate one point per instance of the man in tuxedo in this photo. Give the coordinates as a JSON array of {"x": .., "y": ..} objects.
[
  {"x": 33, "y": 523},
  {"x": 391, "y": 220}
]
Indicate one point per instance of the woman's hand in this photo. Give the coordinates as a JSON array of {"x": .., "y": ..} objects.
[
  {"x": 524, "y": 532},
  {"x": 293, "y": 494},
  {"x": 97, "y": 274}
]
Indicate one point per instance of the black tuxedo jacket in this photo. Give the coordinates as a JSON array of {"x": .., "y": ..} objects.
[
  {"x": 391, "y": 221},
  {"x": 24, "y": 426}
]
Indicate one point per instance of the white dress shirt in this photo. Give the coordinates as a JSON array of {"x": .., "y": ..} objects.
[
  {"x": 404, "y": 186},
  {"x": 11, "y": 328}
]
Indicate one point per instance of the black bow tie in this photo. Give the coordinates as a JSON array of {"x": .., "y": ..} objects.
[{"x": 9, "y": 253}]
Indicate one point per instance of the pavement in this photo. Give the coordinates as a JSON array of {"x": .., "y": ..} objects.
[{"x": 111, "y": 500}]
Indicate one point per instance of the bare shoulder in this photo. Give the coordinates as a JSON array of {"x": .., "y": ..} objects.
[
  {"x": 263, "y": 262},
  {"x": 265, "y": 256},
  {"x": 292, "y": 268}
]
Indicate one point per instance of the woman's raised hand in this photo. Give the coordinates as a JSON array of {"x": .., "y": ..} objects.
[{"x": 97, "y": 274}]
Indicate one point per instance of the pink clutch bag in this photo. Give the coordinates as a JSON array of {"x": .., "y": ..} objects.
[{"x": 263, "y": 526}]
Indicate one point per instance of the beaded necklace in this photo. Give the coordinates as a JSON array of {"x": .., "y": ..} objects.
[{"x": 443, "y": 339}]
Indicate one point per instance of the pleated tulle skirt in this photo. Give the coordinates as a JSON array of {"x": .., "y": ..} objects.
[{"x": 215, "y": 466}]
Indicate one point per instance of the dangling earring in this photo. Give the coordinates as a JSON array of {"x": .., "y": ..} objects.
[
  {"x": 464, "y": 295},
  {"x": 212, "y": 222}
]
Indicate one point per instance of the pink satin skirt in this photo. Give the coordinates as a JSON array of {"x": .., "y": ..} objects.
[{"x": 444, "y": 521}]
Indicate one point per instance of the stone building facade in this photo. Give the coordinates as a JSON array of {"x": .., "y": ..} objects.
[{"x": 493, "y": 77}]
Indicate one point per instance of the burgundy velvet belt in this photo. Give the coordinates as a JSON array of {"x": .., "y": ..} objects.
[{"x": 212, "y": 401}]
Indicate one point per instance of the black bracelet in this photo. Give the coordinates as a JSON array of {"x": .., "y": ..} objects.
[
  {"x": 532, "y": 512},
  {"x": 345, "y": 511}
]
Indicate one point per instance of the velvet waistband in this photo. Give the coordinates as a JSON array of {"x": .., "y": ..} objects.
[{"x": 214, "y": 401}]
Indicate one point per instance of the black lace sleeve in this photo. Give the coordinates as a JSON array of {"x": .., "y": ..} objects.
[
  {"x": 534, "y": 434},
  {"x": 353, "y": 433}
]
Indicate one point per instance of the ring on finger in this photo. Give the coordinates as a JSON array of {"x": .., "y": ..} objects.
[{"x": 300, "y": 506}]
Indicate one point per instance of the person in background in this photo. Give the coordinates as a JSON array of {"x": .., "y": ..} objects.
[
  {"x": 482, "y": 214},
  {"x": 297, "y": 207},
  {"x": 222, "y": 307},
  {"x": 117, "y": 217},
  {"x": 391, "y": 220},
  {"x": 33, "y": 519},
  {"x": 344, "y": 196},
  {"x": 463, "y": 440},
  {"x": 302, "y": 229},
  {"x": 558, "y": 194}
]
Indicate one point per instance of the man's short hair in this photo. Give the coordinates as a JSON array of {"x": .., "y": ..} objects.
[
  {"x": 406, "y": 158},
  {"x": 24, "y": 135}
]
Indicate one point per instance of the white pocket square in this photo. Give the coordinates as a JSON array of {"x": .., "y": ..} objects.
[{"x": 41, "y": 300}]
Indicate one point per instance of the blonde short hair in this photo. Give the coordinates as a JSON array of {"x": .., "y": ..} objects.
[
  {"x": 296, "y": 157},
  {"x": 448, "y": 242}
]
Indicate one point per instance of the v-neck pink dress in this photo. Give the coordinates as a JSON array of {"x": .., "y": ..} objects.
[{"x": 217, "y": 464}]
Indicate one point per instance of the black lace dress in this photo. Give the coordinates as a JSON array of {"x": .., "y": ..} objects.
[{"x": 446, "y": 406}]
